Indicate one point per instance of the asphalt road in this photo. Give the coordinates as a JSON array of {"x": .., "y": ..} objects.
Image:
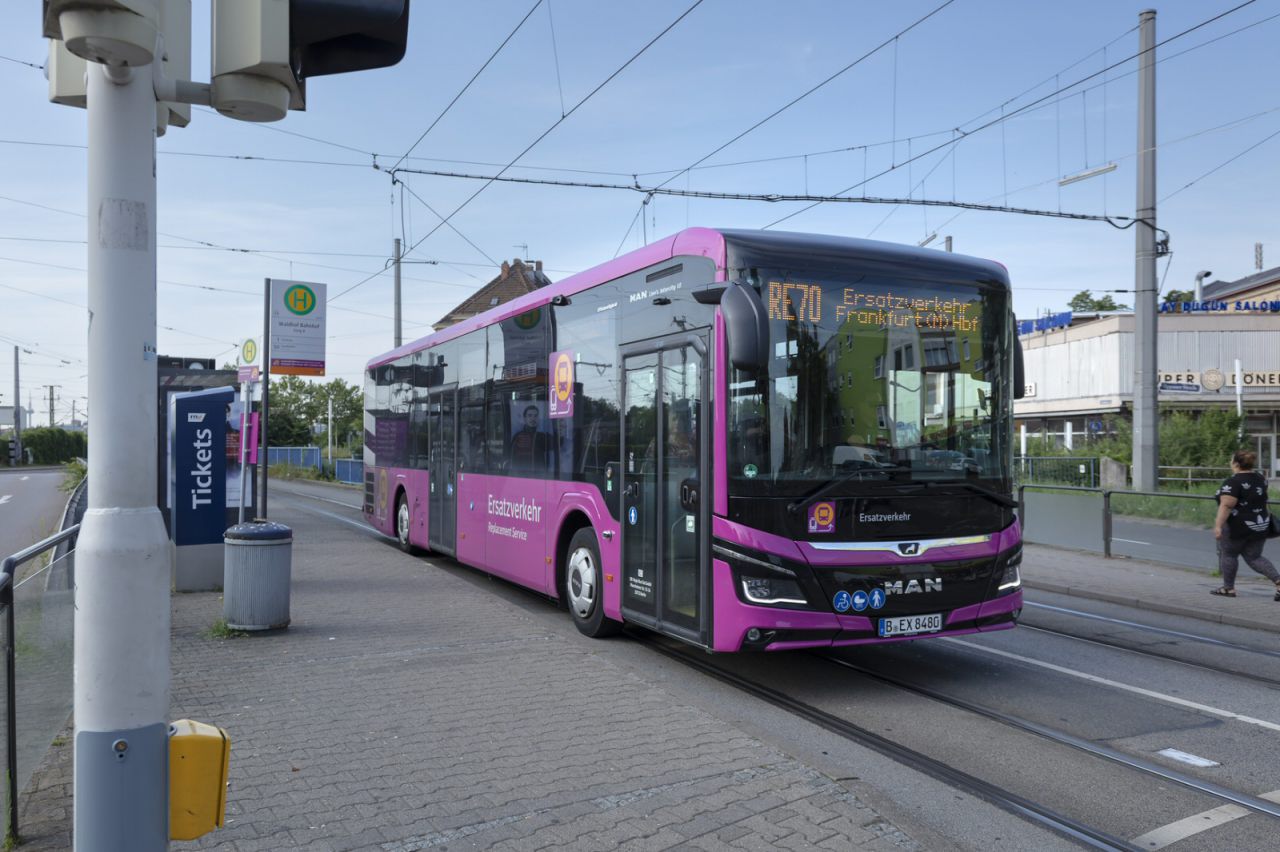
[
  {"x": 1190, "y": 698},
  {"x": 30, "y": 507}
]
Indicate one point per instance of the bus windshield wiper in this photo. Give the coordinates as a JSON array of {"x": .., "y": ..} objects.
[
  {"x": 981, "y": 490},
  {"x": 826, "y": 487}
]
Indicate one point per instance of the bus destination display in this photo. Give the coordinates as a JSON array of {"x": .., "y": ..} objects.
[{"x": 798, "y": 302}]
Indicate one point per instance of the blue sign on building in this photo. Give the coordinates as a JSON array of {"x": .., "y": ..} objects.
[
  {"x": 1061, "y": 320},
  {"x": 198, "y": 465}
]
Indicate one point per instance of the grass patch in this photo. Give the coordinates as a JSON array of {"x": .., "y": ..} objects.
[
  {"x": 289, "y": 471},
  {"x": 220, "y": 630}
]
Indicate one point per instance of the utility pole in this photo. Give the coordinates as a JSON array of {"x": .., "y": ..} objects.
[
  {"x": 398, "y": 335},
  {"x": 17, "y": 404},
  {"x": 1146, "y": 416},
  {"x": 51, "y": 387}
]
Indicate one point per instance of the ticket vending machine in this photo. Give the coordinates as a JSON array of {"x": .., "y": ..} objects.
[{"x": 204, "y": 483}]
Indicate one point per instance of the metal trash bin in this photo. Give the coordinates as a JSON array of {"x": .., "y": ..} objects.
[{"x": 257, "y": 567}]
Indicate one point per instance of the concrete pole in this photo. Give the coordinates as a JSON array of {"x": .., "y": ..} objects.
[
  {"x": 1146, "y": 422},
  {"x": 266, "y": 397},
  {"x": 122, "y": 559},
  {"x": 398, "y": 335},
  {"x": 17, "y": 405}
]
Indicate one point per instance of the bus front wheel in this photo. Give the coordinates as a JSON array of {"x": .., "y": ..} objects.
[{"x": 584, "y": 586}]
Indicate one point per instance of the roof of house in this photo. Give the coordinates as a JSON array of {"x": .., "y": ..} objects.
[
  {"x": 515, "y": 279},
  {"x": 1222, "y": 289}
]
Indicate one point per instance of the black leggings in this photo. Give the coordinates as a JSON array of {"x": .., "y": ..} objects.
[{"x": 1231, "y": 549}]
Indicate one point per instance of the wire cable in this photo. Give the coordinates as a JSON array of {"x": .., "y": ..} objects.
[
  {"x": 1006, "y": 116},
  {"x": 463, "y": 91},
  {"x": 559, "y": 121}
]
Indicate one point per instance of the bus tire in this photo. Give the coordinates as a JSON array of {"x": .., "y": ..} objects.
[
  {"x": 584, "y": 586},
  {"x": 404, "y": 522}
]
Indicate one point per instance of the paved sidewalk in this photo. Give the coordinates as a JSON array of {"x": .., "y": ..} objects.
[
  {"x": 407, "y": 709},
  {"x": 1156, "y": 587}
]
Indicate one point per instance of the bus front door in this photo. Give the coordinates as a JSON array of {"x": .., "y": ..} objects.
[
  {"x": 442, "y": 411},
  {"x": 666, "y": 454}
]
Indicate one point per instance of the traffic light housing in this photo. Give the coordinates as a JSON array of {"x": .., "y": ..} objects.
[
  {"x": 339, "y": 36},
  {"x": 264, "y": 50},
  {"x": 14, "y": 451}
]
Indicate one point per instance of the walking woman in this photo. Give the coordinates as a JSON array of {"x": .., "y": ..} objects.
[{"x": 1242, "y": 523}]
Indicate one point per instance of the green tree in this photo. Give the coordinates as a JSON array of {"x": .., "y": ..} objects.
[
  {"x": 307, "y": 403},
  {"x": 54, "y": 446},
  {"x": 1173, "y": 297},
  {"x": 284, "y": 429},
  {"x": 1085, "y": 302}
]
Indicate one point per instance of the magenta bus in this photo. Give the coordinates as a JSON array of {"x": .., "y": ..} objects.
[{"x": 748, "y": 440}]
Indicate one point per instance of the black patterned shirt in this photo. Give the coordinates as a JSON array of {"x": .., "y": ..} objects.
[{"x": 1249, "y": 516}]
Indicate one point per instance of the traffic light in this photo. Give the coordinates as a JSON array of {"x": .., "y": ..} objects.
[
  {"x": 14, "y": 452},
  {"x": 264, "y": 50},
  {"x": 339, "y": 36}
]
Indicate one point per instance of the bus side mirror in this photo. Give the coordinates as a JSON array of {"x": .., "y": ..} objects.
[
  {"x": 1019, "y": 369},
  {"x": 746, "y": 328}
]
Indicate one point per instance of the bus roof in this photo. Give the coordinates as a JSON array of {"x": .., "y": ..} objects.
[{"x": 708, "y": 242}]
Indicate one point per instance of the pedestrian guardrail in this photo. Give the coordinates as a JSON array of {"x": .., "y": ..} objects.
[
  {"x": 1084, "y": 518},
  {"x": 45, "y": 632}
]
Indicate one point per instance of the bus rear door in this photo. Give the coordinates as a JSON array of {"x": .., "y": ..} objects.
[{"x": 442, "y": 410}]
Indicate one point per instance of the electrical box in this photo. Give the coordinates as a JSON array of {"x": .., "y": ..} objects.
[{"x": 199, "y": 757}]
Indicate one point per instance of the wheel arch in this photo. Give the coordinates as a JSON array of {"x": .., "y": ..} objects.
[{"x": 573, "y": 521}]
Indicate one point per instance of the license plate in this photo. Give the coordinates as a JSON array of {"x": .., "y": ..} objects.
[{"x": 910, "y": 625}]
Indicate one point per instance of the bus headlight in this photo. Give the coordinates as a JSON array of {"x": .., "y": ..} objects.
[
  {"x": 772, "y": 590},
  {"x": 1011, "y": 579}
]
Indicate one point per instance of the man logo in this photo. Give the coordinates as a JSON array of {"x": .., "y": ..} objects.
[{"x": 909, "y": 548}]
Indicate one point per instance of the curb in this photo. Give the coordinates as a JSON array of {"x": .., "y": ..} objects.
[{"x": 1155, "y": 606}]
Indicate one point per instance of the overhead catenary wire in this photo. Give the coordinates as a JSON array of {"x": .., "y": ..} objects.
[
  {"x": 650, "y": 191},
  {"x": 562, "y": 119},
  {"x": 1005, "y": 116},
  {"x": 474, "y": 77}
]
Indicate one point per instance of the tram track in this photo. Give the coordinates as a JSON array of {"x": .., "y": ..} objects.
[
  {"x": 1001, "y": 797},
  {"x": 1145, "y": 767},
  {"x": 1270, "y": 682}
]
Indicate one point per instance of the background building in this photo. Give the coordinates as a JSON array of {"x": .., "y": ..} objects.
[{"x": 1081, "y": 373}]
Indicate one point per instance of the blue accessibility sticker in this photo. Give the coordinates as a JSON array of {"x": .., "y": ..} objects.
[
  {"x": 632, "y": 516},
  {"x": 877, "y": 598},
  {"x": 859, "y": 601},
  {"x": 842, "y": 601}
]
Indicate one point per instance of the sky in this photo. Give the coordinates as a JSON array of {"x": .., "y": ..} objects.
[{"x": 958, "y": 107}]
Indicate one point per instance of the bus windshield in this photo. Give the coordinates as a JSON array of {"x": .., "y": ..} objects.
[{"x": 873, "y": 382}]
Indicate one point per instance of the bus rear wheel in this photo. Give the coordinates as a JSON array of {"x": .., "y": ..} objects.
[
  {"x": 403, "y": 524},
  {"x": 584, "y": 586}
]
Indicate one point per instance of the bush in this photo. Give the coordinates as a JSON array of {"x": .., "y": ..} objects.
[{"x": 54, "y": 446}]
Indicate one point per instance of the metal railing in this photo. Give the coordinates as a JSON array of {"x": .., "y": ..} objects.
[
  {"x": 1057, "y": 470},
  {"x": 1107, "y": 510},
  {"x": 1190, "y": 475},
  {"x": 8, "y": 585}
]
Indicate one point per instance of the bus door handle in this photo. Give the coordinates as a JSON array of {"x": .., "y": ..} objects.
[
  {"x": 689, "y": 495},
  {"x": 633, "y": 489}
]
